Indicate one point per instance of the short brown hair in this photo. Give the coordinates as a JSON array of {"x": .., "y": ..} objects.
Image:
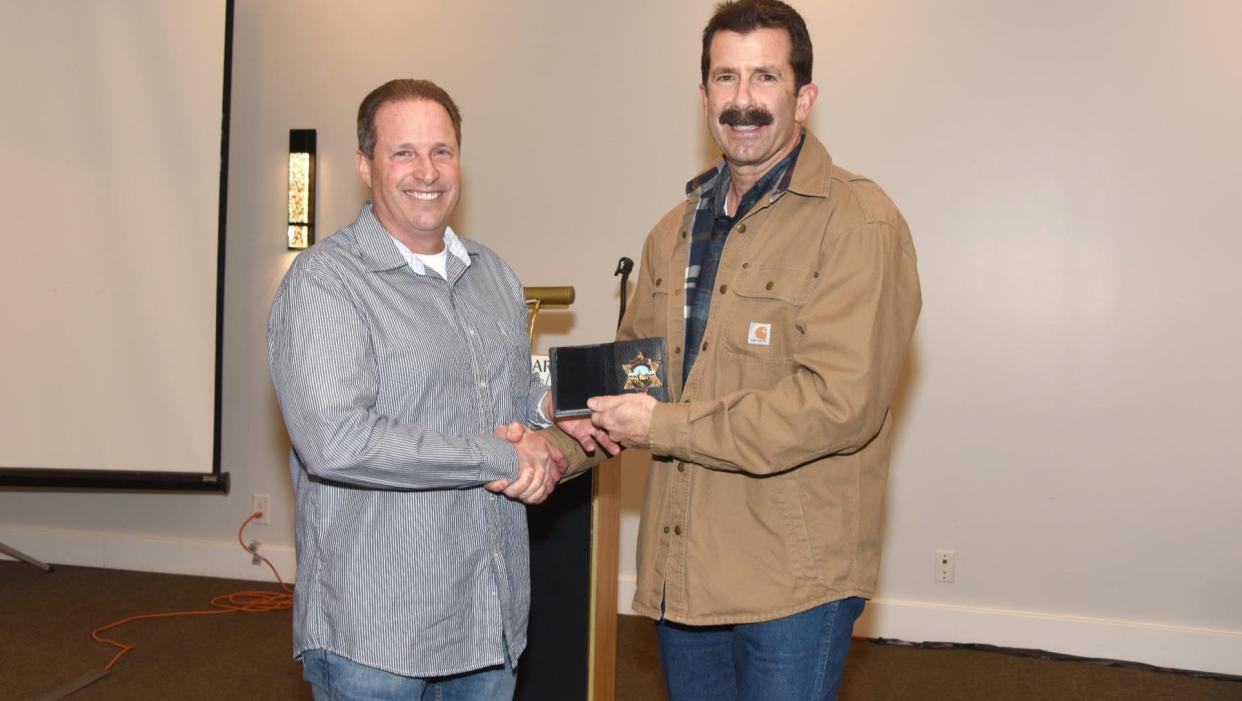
[
  {"x": 396, "y": 91},
  {"x": 745, "y": 16}
]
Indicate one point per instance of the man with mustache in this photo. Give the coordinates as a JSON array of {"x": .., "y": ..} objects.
[
  {"x": 396, "y": 349},
  {"x": 787, "y": 292}
]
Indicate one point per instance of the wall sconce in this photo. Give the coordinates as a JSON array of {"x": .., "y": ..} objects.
[{"x": 301, "y": 188}]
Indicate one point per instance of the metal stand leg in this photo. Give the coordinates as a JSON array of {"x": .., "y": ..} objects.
[{"x": 19, "y": 555}]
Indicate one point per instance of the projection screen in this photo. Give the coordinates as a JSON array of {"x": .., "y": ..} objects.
[{"x": 113, "y": 187}]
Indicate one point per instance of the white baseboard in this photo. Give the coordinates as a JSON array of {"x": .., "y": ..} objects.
[
  {"x": 147, "y": 553},
  {"x": 1177, "y": 647}
]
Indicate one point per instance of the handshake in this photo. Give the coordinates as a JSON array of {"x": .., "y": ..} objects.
[{"x": 615, "y": 421}]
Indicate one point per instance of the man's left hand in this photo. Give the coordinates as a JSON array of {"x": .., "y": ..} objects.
[{"x": 626, "y": 418}]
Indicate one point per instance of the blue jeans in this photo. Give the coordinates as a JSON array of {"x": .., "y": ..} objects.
[
  {"x": 797, "y": 657},
  {"x": 336, "y": 678}
]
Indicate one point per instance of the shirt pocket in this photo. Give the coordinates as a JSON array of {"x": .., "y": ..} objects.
[
  {"x": 762, "y": 323},
  {"x": 508, "y": 349}
]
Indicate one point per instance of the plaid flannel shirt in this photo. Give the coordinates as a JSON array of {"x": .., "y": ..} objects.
[{"x": 710, "y": 230}]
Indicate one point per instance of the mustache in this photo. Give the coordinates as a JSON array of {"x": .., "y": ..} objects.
[{"x": 753, "y": 117}]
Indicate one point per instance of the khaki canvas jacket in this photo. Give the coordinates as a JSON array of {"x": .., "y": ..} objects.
[{"x": 766, "y": 493}]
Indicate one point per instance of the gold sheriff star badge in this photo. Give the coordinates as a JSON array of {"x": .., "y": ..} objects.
[{"x": 641, "y": 374}]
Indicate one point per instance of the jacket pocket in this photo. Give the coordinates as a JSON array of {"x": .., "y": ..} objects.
[
  {"x": 796, "y": 533},
  {"x": 761, "y": 326}
]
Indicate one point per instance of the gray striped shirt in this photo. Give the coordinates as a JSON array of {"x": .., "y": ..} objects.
[{"x": 391, "y": 382}]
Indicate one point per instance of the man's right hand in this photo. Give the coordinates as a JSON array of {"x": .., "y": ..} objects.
[
  {"x": 540, "y": 466},
  {"x": 581, "y": 429}
]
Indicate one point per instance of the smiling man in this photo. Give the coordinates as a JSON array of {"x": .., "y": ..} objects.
[
  {"x": 787, "y": 292},
  {"x": 396, "y": 349}
]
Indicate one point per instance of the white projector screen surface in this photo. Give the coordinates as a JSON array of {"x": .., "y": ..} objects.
[{"x": 110, "y": 192}]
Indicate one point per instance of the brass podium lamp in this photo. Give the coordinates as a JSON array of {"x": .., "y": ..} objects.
[{"x": 553, "y": 297}]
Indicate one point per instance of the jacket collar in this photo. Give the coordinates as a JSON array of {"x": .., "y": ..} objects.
[{"x": 811, "y": 173}]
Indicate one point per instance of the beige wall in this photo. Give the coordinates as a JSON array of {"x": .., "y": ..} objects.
[{"x": 1067, "y": 171}]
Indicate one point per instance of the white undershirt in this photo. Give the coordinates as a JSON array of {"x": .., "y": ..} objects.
[{"x": 436, "y": 261}]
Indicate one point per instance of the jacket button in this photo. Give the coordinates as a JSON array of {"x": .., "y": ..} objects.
[
  {"x": 745, "y": 266},
  {"x": 704, "y": 346},
  {"x": 681, "y": 467},
  {"x": 677, "y": 530},
  {"x": 683, "y": 234},
  {"x": 677, "y": 350},
  {"x": 769, "y": 286},
  {"x": 659, "y": 281},
  {"x": 815, "y": 274},
  {"x": 724, "y": 289},
  {"x": 741, "y": 229},
  {"x": 666, "y": 529}
]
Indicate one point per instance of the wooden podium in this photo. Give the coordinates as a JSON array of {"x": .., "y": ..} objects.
[{"x": 571, "y": 651}]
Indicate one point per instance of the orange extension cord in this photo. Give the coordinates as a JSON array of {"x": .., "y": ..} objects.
[{"x": 237, "y": 602}]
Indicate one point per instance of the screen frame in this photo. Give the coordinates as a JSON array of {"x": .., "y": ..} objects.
[{"x": 214, "y": 481}]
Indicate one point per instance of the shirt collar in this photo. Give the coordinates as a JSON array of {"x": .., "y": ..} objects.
[
  {"x": 383, "y": 252},
  {"x": 776, "y": 181},
  {"x": 455, "y": 247}
]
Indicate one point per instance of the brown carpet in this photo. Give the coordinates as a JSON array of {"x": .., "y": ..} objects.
[
  {"x": 45, "y": 623},
  {"x": 45, "y": 641}
]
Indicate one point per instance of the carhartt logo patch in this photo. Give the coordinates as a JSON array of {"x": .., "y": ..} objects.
[{"x": 759, "y": 334}]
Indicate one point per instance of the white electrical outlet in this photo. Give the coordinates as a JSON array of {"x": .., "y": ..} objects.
[
  {"x": 946, "y": 566},
  {"x": 262, "y": 503}
]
